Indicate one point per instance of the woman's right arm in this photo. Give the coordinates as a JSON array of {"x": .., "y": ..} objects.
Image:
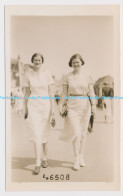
[
  {"x": 26, "y": 86},
  {"x": 63, "y": 101}
]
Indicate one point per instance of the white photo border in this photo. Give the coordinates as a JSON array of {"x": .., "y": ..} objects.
[{"x": 67, "y": 10}]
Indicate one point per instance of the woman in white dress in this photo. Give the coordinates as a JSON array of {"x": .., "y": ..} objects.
[
  {"x": 77, "y": 87},
  {"x": 39, "y": 111}
]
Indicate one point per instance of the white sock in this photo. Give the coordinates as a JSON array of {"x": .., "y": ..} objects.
[
  {"x": 77, "y": 159},
  {"x": 38, "y": 162},
  {"x": 45, "y": 158}
]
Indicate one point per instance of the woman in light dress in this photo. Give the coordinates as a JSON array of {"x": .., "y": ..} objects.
[
  {"x": 77, "y": 86},
  {"x": 39, "y": 112}
]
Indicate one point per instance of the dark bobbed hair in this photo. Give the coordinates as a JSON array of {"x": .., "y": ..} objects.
[
  {"x": 37, "y": 54},
  {"x": 74, "y": 57}
]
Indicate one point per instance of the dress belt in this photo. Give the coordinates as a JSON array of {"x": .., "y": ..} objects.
[{"x": 78, "y": 95}]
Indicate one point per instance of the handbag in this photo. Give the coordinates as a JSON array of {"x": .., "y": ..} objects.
[{"x": 63, "y": 110}]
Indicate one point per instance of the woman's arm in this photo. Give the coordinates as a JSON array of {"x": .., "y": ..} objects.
[
  {"x": 64, "y": 93},
  {"x": 93, "y": 103},
  {"x": 51, "y": 94},
  {"x": 63, "y": 101},
  {"x": 92, "y": 94}
]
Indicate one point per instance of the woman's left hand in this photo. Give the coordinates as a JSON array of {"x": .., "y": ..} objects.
[{"x": 52, "y": 119}]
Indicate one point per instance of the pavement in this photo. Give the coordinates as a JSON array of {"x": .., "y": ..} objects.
[{"x": 98, "y": 154}]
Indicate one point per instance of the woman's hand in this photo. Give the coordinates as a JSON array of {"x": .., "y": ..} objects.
[
  {"x": 63, "y": 110},
  {"x": 64, "y": 115},
  {"x": 26, "y": 112},
  {"x": 93, "y": 110},
  {"x": 52, "y": 119}
]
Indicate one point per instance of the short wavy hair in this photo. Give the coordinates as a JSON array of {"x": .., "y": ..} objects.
[
  {"x": 37, "y": 54},
  {"x": 74, "y": 57}
]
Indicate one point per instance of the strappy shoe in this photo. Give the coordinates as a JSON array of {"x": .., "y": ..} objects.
[
  {"x": 82, "y": 163},
  {"x": 37, "y": 170},
  {"x": 44, "y": 163},
  {"x": 76, "y": 165}
]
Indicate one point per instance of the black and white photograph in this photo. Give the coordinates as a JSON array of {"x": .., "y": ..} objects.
[{"x": 63, "y": 97}]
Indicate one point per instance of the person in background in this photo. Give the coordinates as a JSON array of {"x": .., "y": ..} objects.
[
  {"x": 19, "y": 102},
  {"x": 79, "y": 85}
]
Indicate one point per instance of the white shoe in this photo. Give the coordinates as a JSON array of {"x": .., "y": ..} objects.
[
  {"x": 82, "y": 163},
  {"x": 76, "y": 165}
]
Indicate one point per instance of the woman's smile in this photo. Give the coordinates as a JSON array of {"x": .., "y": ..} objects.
[
  {"x": 37, "y": 62},
  {"x": 76, "y": 64}
]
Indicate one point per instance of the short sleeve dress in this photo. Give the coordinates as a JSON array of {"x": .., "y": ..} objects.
[
  {"x": 79, "y": 107},
  {"x": 38, "y": 105}
]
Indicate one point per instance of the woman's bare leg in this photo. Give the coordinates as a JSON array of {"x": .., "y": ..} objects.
[
  {"x": 82, "y": 149},
  {"x": 37, "y": 147},
  {"x": 45, "y": 150},
  {"x": 76, "y": 147}
]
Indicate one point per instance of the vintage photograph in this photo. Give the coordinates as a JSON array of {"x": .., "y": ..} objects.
[{"x": 63, "y": 97}]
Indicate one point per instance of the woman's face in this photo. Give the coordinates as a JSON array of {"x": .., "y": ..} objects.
[
  {"x": 76, "y": 64},
  {"x": 37, "y": 61}
]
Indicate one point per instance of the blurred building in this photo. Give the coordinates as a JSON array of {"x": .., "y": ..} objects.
[
  {"x": 17, "y": 72},
  {"x": 100, "y": 83},
  {"x": 15, "y": 81}
]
